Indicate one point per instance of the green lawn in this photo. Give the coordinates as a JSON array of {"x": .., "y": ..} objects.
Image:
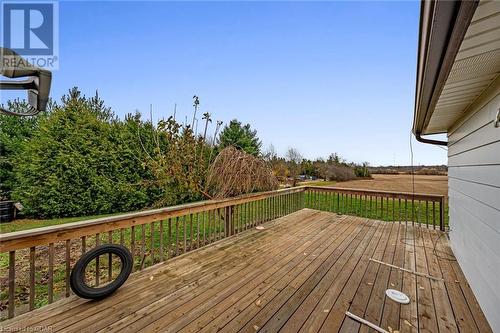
[{"x": 375, "y": 208}]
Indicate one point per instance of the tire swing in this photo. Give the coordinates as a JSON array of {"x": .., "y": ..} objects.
[{"x": 77, "y": 279}]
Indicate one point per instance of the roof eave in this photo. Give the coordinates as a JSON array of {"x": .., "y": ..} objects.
[{"x": 443, "y": 25}]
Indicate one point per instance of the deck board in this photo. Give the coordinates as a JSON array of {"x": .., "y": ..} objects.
[{"x": 301, "y": 273}]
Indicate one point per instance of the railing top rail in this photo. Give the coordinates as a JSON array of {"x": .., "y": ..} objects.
[
  {"x": 22, "y": 239},
  {"x": 391, "y": 194}
]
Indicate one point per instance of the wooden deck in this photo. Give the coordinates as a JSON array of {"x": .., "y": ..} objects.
[{"x": 301, "y": 273}]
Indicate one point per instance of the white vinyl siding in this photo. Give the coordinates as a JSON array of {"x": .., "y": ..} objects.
[{"x": 474, "y": 199}]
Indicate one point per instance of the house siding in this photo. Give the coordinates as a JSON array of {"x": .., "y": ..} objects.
[{"x": 474, "y": 200}]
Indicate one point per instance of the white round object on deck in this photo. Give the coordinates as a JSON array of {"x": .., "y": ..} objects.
[{"x": 397, "y": 296}]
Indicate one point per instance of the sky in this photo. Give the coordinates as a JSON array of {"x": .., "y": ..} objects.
[{"x": 321, "y": 77}]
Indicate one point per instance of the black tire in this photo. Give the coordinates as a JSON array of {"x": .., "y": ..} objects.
[{"x": 77, "y": 278}]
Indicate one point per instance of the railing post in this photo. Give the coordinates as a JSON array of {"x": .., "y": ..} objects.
[
  {"x": 229, "y": 225},
  {"x": 441, "y": 214}
]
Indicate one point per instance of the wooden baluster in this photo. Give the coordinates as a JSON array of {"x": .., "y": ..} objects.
[
  {"x": 216, "y": 224},
  {"x": 84, "y": 244},
  {"x": 243, "y": 215},
  {"x": 427, "y": 213},
  {"x": 365, "y": 203},
  {"x": 51, "y": 273},
  {"x": 382, "y": 208},
  {"x": 270, "y": 208},
  {"x": 169, "y": 237},
  {"x": 255, "y": 213},
  {"x": 406, "y": 212},
  {"x": 110, "y": 257},
  {"x": 211, "y": 221},
  {"x": 161, "y": 241},
  {"x": 289, "y": 203},
  {"x": 176, "y": 235},
  {"x": 349, "y": 206},
  {"x": 417, "y": 213},
  {"x": 223, "y": 225},
  {"x": 356, "y": 205},
  {"x": 441, "y": 214},
  {"x": 97, "y": 263},
  {"x": 247, "y": 216},
  {"x": 143, "y": 245},
  {"x": 68, "y": 266},
  {"x": 274, "y": 207},
  {"x": 263, "y": 210},
  {"x": 393, "y": 203},
  {"x": 412, "y": 211},
  {"x": 343, "y": 204},
  {"x": 286, "y": 204},
  {"x": 152, "y": 242},
  {"x": 132, "y": 245},
  {"x": 198, "y": 230},
  {"x": 191, "y": 238},
  {"x": 122, "y": 236},
  {"x": 338, "y": 202},
  {"x": 260, "y": 211},
  {"x": 205, "y": 217},
  {"x": 252, "y": 214},
  {"x": 12, "y": 283},
  {"x": 240, "y": 217},
  {"x": 32, "y": 278},
  {"x": 227, "y": 227},
  {"x": 234, "y": 219},
  {"x": 190, "y": 231},
  {"x": 333, "y": 195}
]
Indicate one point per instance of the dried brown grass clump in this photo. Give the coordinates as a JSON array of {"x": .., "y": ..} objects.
[{"x": 234, "y": 172}]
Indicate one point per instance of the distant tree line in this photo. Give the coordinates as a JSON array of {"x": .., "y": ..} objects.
[
  {"x": 441, "y": 170},
  {"x": 293, "y": 166}
]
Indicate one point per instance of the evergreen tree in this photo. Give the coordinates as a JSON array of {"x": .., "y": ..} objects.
[
  {"x": 240, "y": 136},
  {"x": 80, "y": 161}
]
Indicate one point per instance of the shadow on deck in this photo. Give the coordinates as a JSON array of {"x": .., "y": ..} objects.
[{"x": 301, "y": 273}]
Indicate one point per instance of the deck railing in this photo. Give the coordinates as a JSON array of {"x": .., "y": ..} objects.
[
  {"x": 36, "y": 264},
  {"x": 423, "y": 209},
  {"x": 40, "y": 260}
]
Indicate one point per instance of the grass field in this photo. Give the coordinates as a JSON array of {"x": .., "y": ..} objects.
[{"x": 398, "y": 183}]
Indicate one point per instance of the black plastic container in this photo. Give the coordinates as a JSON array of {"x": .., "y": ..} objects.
[{"x": 6, "y": 211}]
